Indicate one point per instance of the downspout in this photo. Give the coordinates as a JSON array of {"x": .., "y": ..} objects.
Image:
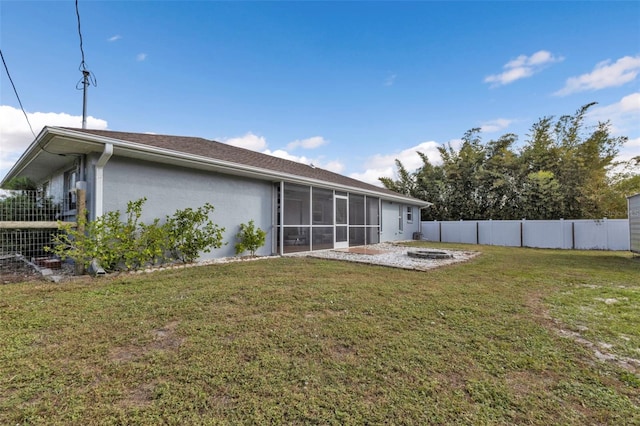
[
  {"x": 99, "y": 193},
  {"x": 420, "y": 219}
]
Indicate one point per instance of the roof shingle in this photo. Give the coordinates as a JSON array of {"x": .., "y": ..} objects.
[{"x": 241, "y": 156}]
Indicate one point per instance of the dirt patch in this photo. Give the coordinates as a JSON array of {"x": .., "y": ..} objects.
[
  {"x": 13, "y": 270},
  {"x": 340, "y": 351},
  {"x": 140, "y": 396},
  {"x": 599, "y": 351},
  {"x": 164, "y": 339}
]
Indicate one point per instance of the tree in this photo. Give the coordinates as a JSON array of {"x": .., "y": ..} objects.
[
  {"x": 564, "y": 170},
  {"x": 541, "y": 196},
  {"x": 580, "y": 160}
]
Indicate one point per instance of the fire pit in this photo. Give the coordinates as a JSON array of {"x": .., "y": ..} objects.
[{"x": 429, "y": 254}]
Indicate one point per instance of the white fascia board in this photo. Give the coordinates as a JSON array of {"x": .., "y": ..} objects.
[{"x": 125, "y": 147}]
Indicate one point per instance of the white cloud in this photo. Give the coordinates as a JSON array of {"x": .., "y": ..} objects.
[
  {"x": 371, "y": 175},
  {"x": 624, "y": 118},
  {"x": 629, "y": 150},
  {"x": 623, "y": 115},
  {"x": 333, "y": 166},
  {"x": 605, "y": 74},
  {"x": 390, "y": 80},
  {"x": 633, "y": 143},
  {"x": 383, "y": 165},
  {"x": 309, "y": 143},
  {"x": 141, "y": 57},
  {"x": 495, "y": 125},
  {"x": 15, "y": 136},
  {"x": 522, "y": 67},
  {"x": 248, "y": 141},
  {"x": 281, "y": 153},
  {"x": 114, "y": 38},
  {"x": 259, "y": 144}
]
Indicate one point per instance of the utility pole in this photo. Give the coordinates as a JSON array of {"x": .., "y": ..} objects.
[{"x": 85, "y": 84}]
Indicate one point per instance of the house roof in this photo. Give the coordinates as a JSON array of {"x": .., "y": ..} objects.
[{"x": 197, "y": 152}]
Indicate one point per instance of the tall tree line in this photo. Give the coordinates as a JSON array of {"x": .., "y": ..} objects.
[{"x": 563, "y": 170}]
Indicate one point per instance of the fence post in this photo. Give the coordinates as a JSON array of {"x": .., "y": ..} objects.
[
  {"x": 81, "y": 215},
  {"x": 490, "y": 232}
]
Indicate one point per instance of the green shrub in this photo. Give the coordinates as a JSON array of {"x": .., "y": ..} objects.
[
  {"x": 191, "y": 231},
  {"x": 132, "y": 244},
  {"x": 251, "y": 238}
]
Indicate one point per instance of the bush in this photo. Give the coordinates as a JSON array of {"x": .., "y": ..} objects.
[
  {"x": 191, "y": 231},
  {"x": 132, "y": 244},
  {"x": 251, "y": 238}
]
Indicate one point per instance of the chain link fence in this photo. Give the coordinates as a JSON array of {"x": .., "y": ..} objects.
[{"x": 28, "y": 224}]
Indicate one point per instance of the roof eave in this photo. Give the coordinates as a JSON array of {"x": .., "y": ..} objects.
[
  {"x": 27, "y": 157},
  {"x": 124, "y": 147}
]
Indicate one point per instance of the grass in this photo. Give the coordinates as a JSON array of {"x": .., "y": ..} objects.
[{"x": 308, "y": 341}]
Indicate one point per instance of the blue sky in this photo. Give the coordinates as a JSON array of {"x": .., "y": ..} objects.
[{"x": 349, "y": 86}]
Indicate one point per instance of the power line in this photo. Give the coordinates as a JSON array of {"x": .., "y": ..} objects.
[
  {"x": 83, "y": 66},
  {"x": 87, "y": 77},
  {"x": 17, "y": 96}
]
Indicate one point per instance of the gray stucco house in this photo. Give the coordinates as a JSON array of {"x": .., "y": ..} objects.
[{"x": 301, "y": 207}]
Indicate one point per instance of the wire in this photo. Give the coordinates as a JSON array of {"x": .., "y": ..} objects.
[
  {"x": 83, "y": 66},
  {"x": 17, "y": 96},
  {"x": 20, "y": 102}
]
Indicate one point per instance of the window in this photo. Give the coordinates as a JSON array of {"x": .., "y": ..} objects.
[
  {"x": 409, "y": 214},
  {"x": 70, "y": 189},
  {"x": 400, "y": 219}
]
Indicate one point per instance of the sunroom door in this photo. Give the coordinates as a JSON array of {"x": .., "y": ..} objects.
[{"x": 342, "y": 224}]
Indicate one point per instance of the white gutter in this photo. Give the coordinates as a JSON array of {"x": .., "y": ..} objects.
[{"x": 102, "y": 161}]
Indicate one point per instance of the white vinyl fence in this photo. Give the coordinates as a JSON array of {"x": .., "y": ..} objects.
[{"x": 601, "y": 234}]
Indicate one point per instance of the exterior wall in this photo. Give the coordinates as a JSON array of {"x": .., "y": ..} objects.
[
  {"x": 390, "y": 231},
  {"x": 634, "y": 222},
  {"x": 169, "y": 188}
]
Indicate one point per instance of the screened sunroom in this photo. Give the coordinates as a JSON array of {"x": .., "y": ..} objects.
[{"x": 314, "y": 218}]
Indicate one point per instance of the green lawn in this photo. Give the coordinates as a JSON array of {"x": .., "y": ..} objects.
[{"x": 309, "y": 341}]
